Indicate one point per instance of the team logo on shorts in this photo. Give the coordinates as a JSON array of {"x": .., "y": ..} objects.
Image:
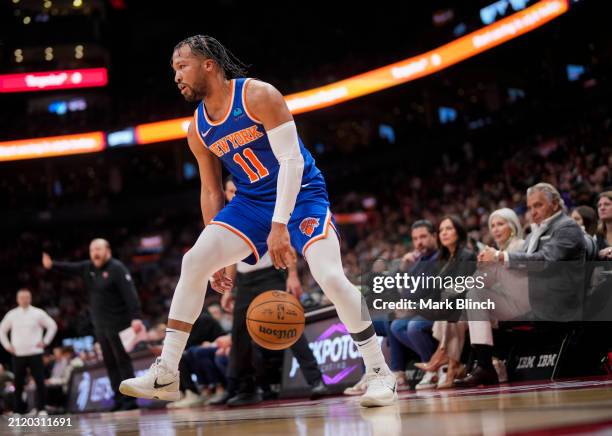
[{"x": 308, "y": 226}]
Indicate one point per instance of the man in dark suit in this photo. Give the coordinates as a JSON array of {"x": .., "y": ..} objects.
[
  {"x": 114, "y": 307},
  {"x": 553, "y": 257}
]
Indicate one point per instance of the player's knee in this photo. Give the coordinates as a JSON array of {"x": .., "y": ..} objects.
[
  {"x": 192, "y": 261},
  {"x": 332, "y": 283}
]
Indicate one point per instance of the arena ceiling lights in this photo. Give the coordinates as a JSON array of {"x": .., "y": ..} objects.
[{"x": 386, "y": 77}]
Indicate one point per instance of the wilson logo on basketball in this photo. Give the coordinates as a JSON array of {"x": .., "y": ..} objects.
[
  {"x": 308, "y": 226},
  {"x": 280, "y": 334}
]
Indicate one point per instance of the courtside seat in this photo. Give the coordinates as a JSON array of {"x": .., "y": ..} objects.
[{"x": 540, "y": 350}]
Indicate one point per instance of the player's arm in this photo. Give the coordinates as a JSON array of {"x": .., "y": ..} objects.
[
  {"x": 267, "y": 104},
  {"x": 212, "y": 198}
]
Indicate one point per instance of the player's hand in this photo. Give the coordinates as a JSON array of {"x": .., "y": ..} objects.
[
  {"x": 294, "y": 287},
  {"x": 137, "y": 325},
  {"x": 221, "y": 282},
  {"x": 40, "y": 344},
  {"x": 227, "y": 302},
  {"x": 279, "y": 246},
  {"x": 47, "y": 261},
  {"x": 11, "y": 349}
]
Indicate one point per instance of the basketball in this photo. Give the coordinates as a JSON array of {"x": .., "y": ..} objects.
[{"x": 275, "y": 320}]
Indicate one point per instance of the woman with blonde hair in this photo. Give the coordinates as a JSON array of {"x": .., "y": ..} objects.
[
  {"x": 505, "y": 227},
  {"x": 506, "y": 287}
]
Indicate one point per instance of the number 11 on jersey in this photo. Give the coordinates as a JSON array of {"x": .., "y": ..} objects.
[{"x": 259, "y": 172}]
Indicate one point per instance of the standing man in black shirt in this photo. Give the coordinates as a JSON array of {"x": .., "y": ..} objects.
[{"x": 114, "y": 307}]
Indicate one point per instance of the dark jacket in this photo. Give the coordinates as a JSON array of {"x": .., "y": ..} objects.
[
  {"x": 463, "y": 263},
  {"x": 555, "y": 270},
  {"x": 112, "y": 296}
]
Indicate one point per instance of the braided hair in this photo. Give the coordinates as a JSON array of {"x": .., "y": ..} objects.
[{"x": 210, "y": 48}]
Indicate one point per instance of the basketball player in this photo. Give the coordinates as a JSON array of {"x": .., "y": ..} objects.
[
  {"x": 281, "y": 202},
  {"x": 251, "y": 281}
]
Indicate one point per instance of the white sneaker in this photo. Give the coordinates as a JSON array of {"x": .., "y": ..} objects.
[
  {"x": 429, "y": 381},
  {"x": 43, "y": 413},
  {"x": 158, "y": 383},
  {"x": 381, "y": 390},
  {"x": 191, "y": 399}
]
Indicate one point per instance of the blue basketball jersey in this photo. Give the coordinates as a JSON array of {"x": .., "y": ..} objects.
[{"x": 241, "y": 142}]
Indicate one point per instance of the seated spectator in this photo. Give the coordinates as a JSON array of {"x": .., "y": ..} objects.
[
  {"x": 223, "y": 346},
  {"x": 552, "y": 256},
  {"x": 222, "y": 317},
  {"x": 509, "y": 287},
  {"x": 604, "y": 231},
  {"x": 455, "y": 260},
  {"x": 6, "y": 380},
  {"x": 415, "y": 332},
  {"x": 57, "y": 385},
  {"x": 585, "y": 217}
]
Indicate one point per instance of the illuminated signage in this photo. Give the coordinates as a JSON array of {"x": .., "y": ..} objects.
[
  {"x": 337, "y": 356},
  {"x": 52, "y": 146},
  {"x": 491, "y": 13},
  {"x": 53, "y": 80},
  {"x": 121, "y": 138},
  {"x": 162, "y": 130},
  {"x": 61, "y": 107}
]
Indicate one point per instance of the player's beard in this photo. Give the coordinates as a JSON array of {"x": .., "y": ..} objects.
[{"x": 197, "y": 92}]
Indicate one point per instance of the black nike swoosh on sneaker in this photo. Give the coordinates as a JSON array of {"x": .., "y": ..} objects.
[{"x": 158, "y": 386}]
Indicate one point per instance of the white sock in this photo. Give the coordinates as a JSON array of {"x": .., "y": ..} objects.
[
  {"x": 372, "y": 356},
  {"x": 174, "y": 345}
]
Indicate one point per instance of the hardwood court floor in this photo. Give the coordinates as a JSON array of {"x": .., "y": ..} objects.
[{"x": 564, "y": 407}]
